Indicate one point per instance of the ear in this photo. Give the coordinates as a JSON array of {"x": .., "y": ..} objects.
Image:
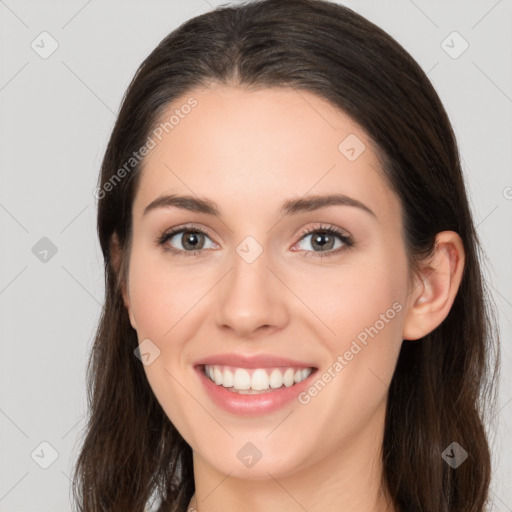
[
  {"x": 435, "y": 287},
  {"x": 117, "y": 268}
]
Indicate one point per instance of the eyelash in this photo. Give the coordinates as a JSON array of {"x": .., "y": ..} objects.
[{"x": 326, "y": 230}]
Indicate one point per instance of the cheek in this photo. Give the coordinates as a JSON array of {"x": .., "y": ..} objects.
[
  {"x": 159, "y": 294},
  {"x": 364, "y": 309},
  {"x": 363, "y": 306},
  {"x": 160, "y": 299},
  {"x": 346, "y": 300},
  {"x": 351, "y": 298}
]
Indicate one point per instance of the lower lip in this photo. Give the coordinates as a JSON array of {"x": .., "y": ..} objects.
[{"x": 252, "y": 405}]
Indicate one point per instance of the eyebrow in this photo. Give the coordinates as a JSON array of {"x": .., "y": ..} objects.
[{"x": 291, "y": 206}]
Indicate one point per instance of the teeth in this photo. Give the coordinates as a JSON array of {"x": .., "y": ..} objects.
[
  {"x": 217, "y": 374},
  {"x": 242, "y": 379},
  {"x": 228, "y": 378},
  {"x": 276, "y": 379},
  {"x": 246, "y": 381},
  {"x": 288, "y": 377},
  {"x": 259, "y": 380}
]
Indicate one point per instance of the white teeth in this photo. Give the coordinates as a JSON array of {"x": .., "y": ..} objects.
[
  {"x": 228, "y": 378},
  {"x": 259, "y": 379},
  {"x": 276, "y": 379},
  {"x": 217, "y": 374},
  {"x": 242, "y": 379},
  {"x": 288, "y": 379}
]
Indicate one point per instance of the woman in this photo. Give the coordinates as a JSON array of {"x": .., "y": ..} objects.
[{"x": 295, "y": 315}]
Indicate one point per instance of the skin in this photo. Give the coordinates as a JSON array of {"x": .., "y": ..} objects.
[{"x": 249, "y": 151}]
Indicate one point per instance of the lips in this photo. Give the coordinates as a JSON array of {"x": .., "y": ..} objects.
[
  {"x": 249, "y": 402},
  {"x": 256, "y": 361}
]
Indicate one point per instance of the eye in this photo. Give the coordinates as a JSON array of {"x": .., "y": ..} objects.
[
  {"x": 324, "y": 238},
  {"x": 192, "y": 241},
  {"x": 190, "y": 238}
]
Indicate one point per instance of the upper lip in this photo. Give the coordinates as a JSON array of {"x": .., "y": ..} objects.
[{"x": 256, "y": 361}]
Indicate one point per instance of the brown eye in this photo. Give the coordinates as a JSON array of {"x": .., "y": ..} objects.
[
  {"x": 184, "y": 241},
  {"x": 328, "y": 240},
  {"x": 192, "y": 240}
]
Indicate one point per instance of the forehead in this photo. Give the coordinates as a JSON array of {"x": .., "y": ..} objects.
[{"x": 259, "y": 146}]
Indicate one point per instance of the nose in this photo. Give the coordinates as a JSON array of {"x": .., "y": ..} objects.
[{"x": 251, "y": 299}]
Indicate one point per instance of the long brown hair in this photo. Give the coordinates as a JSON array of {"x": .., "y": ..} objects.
[{"x": 443, "y": 383}]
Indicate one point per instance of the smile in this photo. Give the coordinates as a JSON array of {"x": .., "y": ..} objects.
[
  {"x": 255, "y": 380},
  {"x": 253, "y": 391}
]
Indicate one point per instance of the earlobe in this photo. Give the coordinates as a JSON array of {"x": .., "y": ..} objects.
[
  {"x": 127, "y": 304},
  {"x": 116, "y": 266},
  {"x": 435, "y": 287},
  {"x": 130, "y": 313}
]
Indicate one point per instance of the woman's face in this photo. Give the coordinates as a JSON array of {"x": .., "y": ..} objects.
[{"x": 265, "y": 280}]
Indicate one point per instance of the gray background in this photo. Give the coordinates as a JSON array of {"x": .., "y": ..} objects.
[{"x": 57, "y": 113}]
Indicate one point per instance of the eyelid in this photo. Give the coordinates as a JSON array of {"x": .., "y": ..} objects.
[
  {"x": 185, "y": 227},
  {"x": 162, "y": 239},
  {"x": 322, "y": 226},
  {"x": 333, "y": 230}
]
